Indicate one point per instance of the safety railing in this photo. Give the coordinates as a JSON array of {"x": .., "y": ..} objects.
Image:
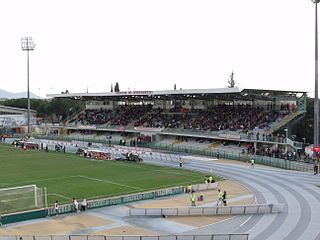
[
  {"x": 204, "y": 187},
  {"x": 264, "y": 160},
  {"x": 223, "y": 236},
  {"x": 217, "y": 210}
]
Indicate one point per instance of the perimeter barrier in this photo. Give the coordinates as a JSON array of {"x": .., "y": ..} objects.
[
  {"x": 68, "y": 208},
  {"x": 224, "y": 236},
  {"x": 217, "y": 210},
  {"x": 264, "y": 160},
  {"x": 121, "y": 200},
  {"x": 22, "y": 216},
  {"x": 204, "y": 187}
]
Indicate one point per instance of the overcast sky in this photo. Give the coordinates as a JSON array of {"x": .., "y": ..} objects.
[{"x": 151, "y": 45}]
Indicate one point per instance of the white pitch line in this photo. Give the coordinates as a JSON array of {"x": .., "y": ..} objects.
[
  {"x": 158, "y": 170},
  {"x": 59, "y": 195},
  {"x": 132, "y": 166},
  {"x": 106, "y": 181},
  {"x": 39, "y": 180}
]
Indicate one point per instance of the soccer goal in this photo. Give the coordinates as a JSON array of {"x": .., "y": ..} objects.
[{"x": 21, "y": 198}]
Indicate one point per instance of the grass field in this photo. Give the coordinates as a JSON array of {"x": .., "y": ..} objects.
[{"x": 68, "y": 176}]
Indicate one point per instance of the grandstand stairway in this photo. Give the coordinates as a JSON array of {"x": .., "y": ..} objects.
[
  {"x": 177, "y": 142},
  {"x": 75, "y": 116},
  {"x": 132, "y": 124},
  {"x": 284, "y": 121},
  {"x": 214, "y": 145},
  {"x": 122, "y": 113}
]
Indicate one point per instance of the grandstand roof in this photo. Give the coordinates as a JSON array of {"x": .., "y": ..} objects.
[
  {"x": 5, "y": 110},
  {"x": 201, "y": 94}
]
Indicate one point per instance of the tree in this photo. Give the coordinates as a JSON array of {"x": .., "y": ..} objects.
[
  {"x": 175, "y": 87},
  {"x": 116, "y": 87},
  {"x": 48, "y": 108},
  {"x": 111, "y": 87},
  {"x": 231, "y": 81}
]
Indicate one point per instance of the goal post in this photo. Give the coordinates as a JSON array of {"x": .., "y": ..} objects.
[{"x": 20, "y": 198}]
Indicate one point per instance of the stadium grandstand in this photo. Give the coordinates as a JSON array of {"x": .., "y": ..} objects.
[
  {"x": 250, "y": 121},
  {"x": 14, "y": 120}
]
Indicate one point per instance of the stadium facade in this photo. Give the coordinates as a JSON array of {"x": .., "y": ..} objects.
[
  {"x": 14, "y": 119},
  {"x": 260, "y": 118}
]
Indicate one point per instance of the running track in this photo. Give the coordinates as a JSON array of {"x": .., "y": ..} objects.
[{"x": 296, "y": 190}]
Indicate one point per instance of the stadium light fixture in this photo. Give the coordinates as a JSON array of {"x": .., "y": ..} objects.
[{"x": 28, "y": 45}]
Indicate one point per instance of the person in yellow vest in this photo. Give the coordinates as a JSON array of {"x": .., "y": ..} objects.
[
  {"x": 252, "y": 163},
  {"x": 219, "y": 197},
  {"x": 193, "y": 199},
  {"x": 180, "y": 162},
  {"x": 189, "y": 188},
  {"x": 210, "y": 179}
]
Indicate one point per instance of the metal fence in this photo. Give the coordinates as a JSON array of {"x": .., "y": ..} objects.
[
  {"x": 217, "y": 210},
  {"x": 204, "y": 187},
  {"x": 264, "y": 160},
  {"x": 224, "y": 236}
]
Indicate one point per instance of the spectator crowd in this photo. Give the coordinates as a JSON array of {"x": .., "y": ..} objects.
[{"x": 241, "y": 118}]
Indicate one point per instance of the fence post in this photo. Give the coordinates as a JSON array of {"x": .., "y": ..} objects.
[{"x": 271, "y": 208}]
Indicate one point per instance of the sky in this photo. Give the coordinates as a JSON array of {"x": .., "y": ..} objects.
[{"x": 87, "y": 45}]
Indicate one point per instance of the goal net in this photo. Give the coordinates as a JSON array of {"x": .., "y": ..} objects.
[{"x": 20, "y": 198}]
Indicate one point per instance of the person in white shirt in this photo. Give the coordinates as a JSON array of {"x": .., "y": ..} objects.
[
  {"x": 56, "y": 208},
  {"x": 84, "y": 204},
  {"x": 75, "y": 205}
]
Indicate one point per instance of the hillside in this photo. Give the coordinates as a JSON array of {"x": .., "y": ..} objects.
[{"x": 9, "y": 95}]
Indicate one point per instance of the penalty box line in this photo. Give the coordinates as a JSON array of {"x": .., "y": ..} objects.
[
  {"x": 111, "y": 182},
  {"x": 59, "y": 195},
  {"x": 35, "y": 181}
]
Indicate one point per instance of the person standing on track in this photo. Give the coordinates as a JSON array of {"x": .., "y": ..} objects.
[
  {"x": 56, "y": 208},
  {"x": 219, "y": 197},
  {"x": 84, "y": 205},
  {"x": 180, "y": 162},
  {"x": 75, "y": 205},
  {"x": 224, "y": 198},
  {"x": 189, "y": 188},
  {"x": 252, "y": 163},
  {"x": 193, "y": 199}
]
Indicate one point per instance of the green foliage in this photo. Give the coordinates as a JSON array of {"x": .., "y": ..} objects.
[
  {"x": 47, "y": 109},
  {"x": 231, "y": 81},
  {"x": 116, "y": 87}
]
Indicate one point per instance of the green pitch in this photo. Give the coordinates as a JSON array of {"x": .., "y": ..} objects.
[{"x": 68, "y": 176}]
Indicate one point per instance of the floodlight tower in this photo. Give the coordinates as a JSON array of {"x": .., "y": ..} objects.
[
  {"x": 28, "y": 45},
  {"x": 316, "y": 99}
]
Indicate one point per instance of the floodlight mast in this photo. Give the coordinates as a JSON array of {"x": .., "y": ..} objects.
[
  {"x": 28, "y": 45},
  {"x": 316, "y": 98}
]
